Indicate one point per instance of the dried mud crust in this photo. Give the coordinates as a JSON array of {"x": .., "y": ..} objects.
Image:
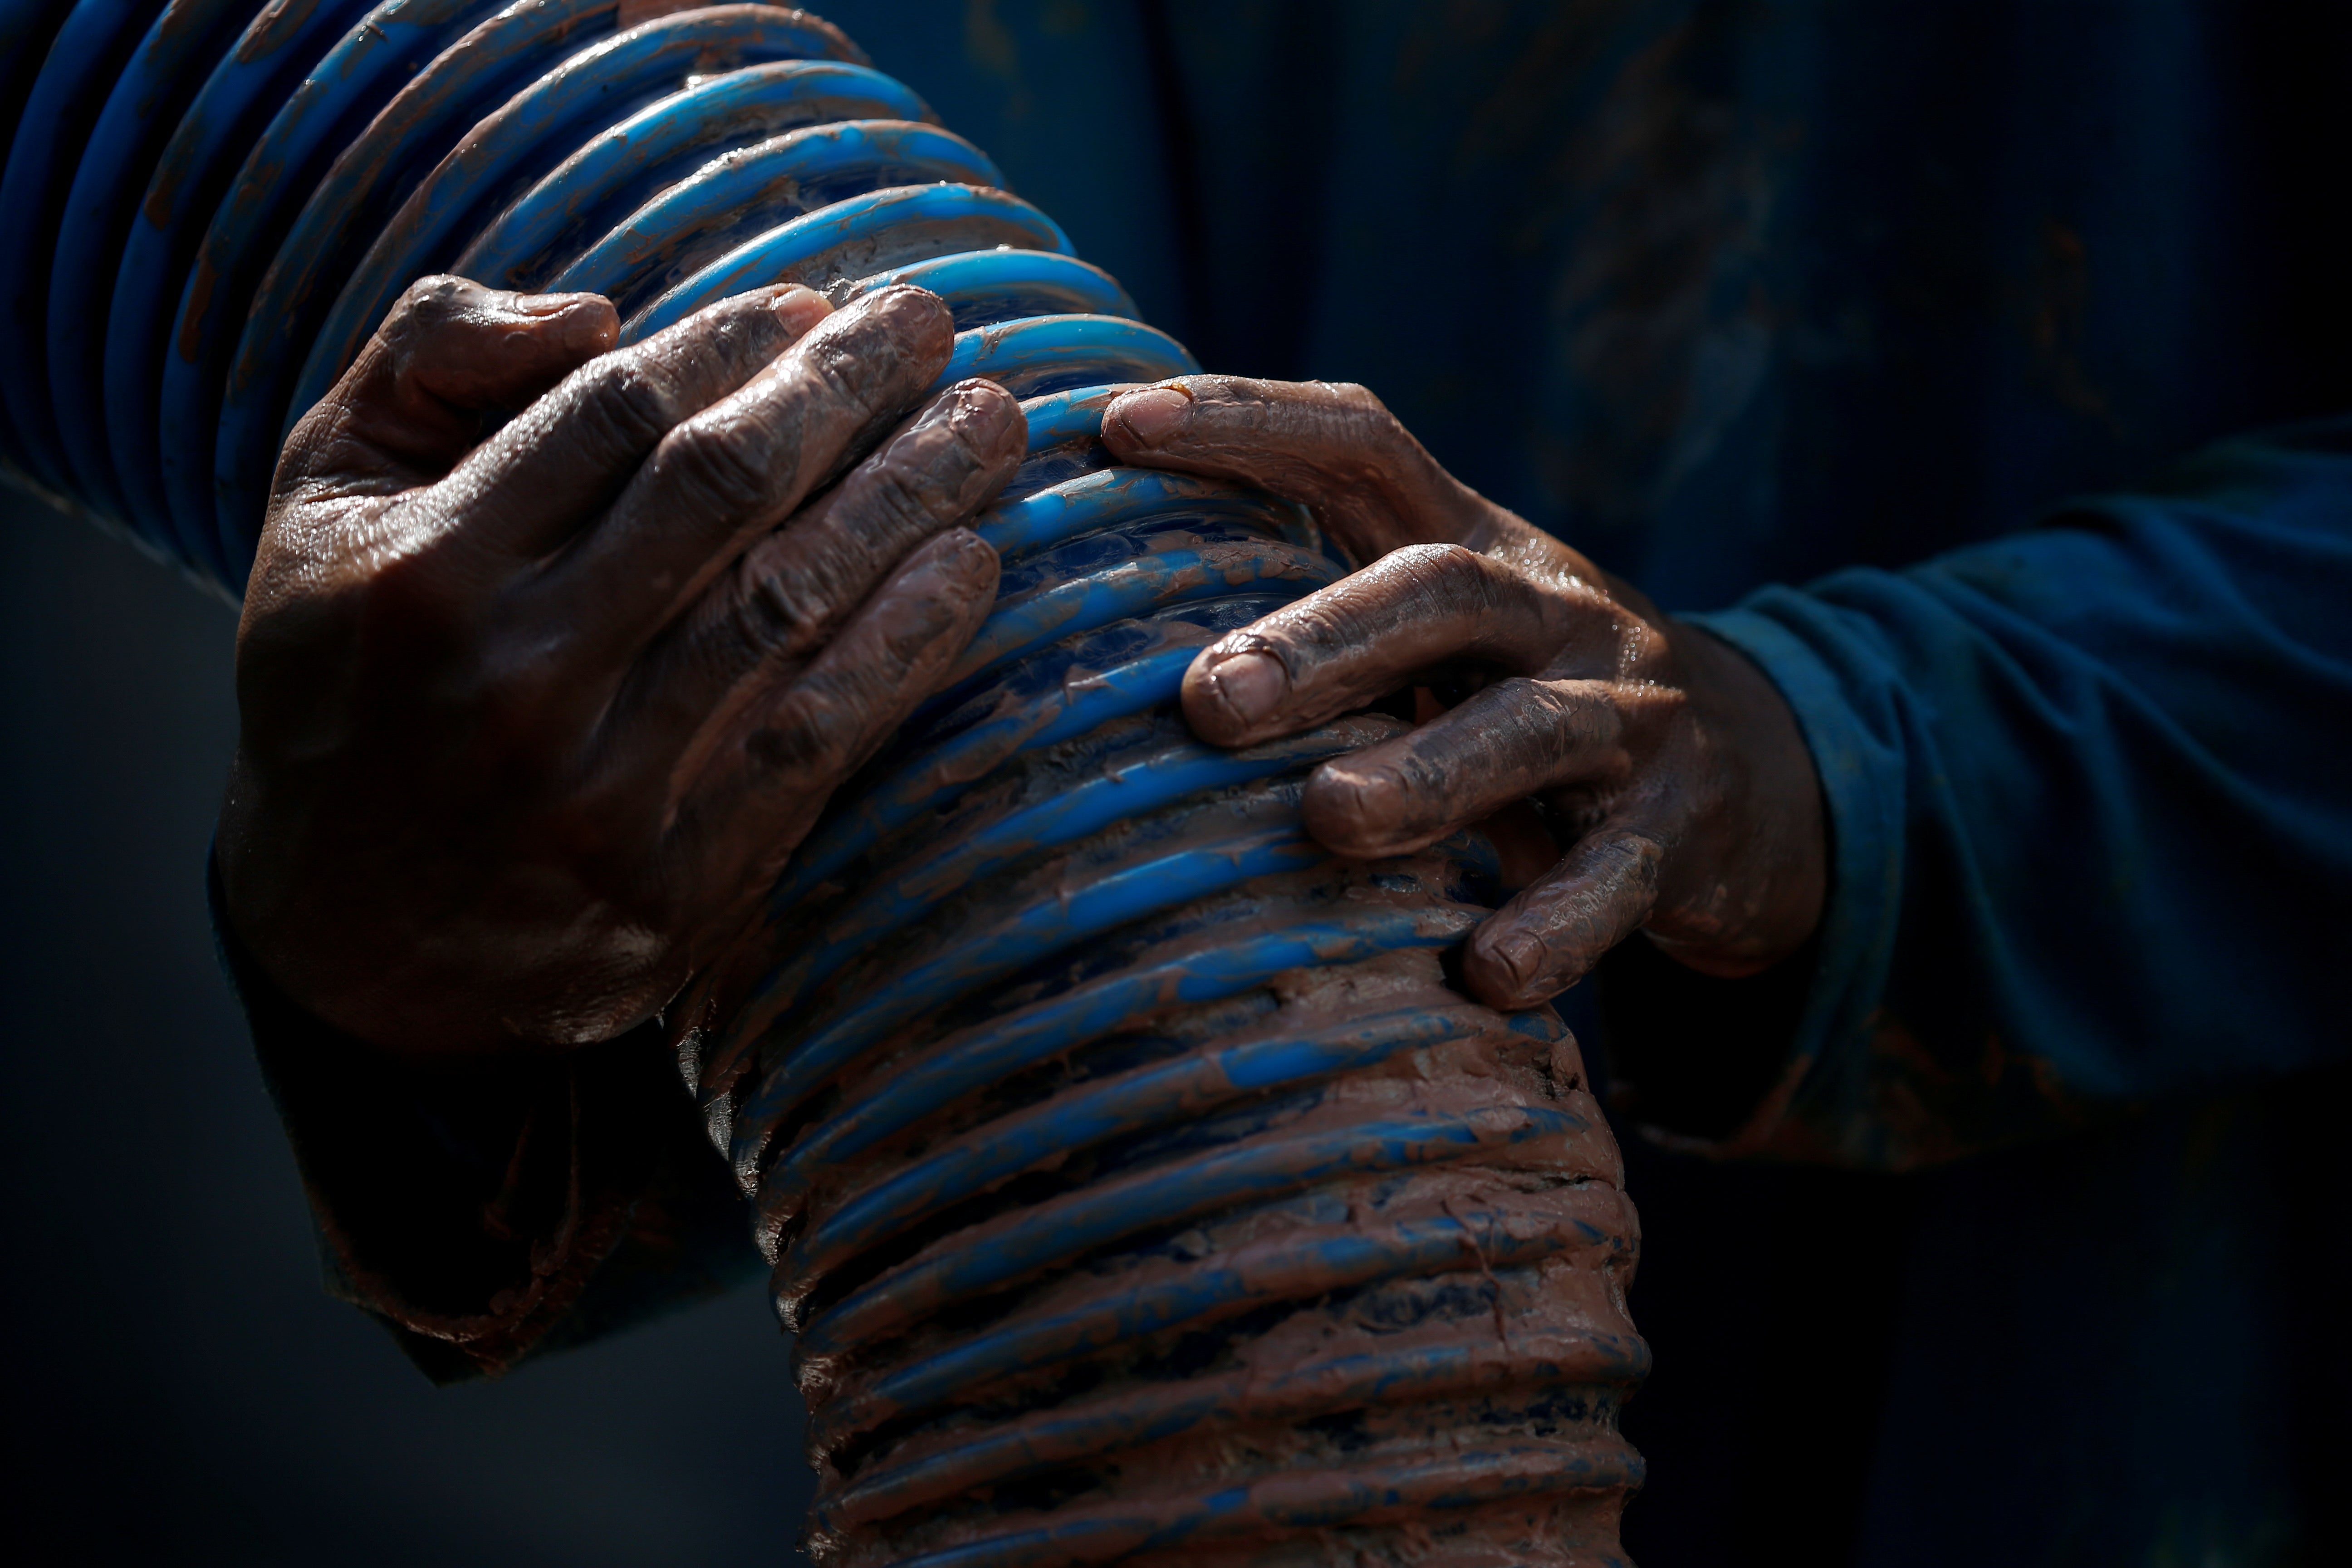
[{"x": 1407, "y": 1342}]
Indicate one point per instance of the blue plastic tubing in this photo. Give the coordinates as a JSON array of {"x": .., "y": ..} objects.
[{"x": 1136, "y": 1184}]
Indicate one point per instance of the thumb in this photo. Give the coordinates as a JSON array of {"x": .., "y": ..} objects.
[
  {"x": 449, "y": 354},
  {"x": 1334, "y": 449}
]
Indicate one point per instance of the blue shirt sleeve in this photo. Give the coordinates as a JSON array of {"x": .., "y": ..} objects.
[{"x": 2090, "y": 793}]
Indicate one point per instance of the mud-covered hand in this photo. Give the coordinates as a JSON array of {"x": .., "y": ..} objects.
[
  {"x": 530, "y": 721},
  {"x": 1683, "y": 797}
]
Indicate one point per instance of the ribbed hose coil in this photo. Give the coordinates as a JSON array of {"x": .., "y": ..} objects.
[{"x": 1137, "y": 1186}]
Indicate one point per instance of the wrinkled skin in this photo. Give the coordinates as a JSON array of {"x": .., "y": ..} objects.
[
  {"x": 1683, "y": 794},
  {"x": 531, "y": 717}
]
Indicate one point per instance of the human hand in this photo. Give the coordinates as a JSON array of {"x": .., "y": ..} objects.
[
  {"x": 530, "y": 723},
  {"x": 1683, "y": 792}
]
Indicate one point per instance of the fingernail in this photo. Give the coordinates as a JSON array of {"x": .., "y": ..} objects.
[
  {"x": 972, "y": 552},
  {"x": 1152, "y": 416},
  {"x": 1520, "y": 954},
  {"x": 544, "y": 305},
  {"x": 1249, "y": 684},
  {"x": 983, "y": 411},
  {"x": 798, "y": 305},
  {"x": 577, "y": 323}
]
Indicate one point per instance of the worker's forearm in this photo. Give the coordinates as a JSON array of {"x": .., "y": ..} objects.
[
  {"x": 478, "y": 1208},
  {"x": 2091, "y": 818}
]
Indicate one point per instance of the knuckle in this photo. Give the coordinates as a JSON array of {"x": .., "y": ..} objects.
[
  {"x": 1231, "y": 393},
  {"x": 622, "y": 403},
  {"x": 932, "y": 475},
  {"x": 779, "y": 613},
  {"x": 813, "y": 734},
  {"x": 1367, "y": 417},
  {"x": 1641, "y": 645},
  {"x": 1537, "y": 698},
  {"x": 1422, "y": 590},
  {"x": 1311, "y": 631},
  {"x": 909, "y": 499},
  {"x": 794, "y": 590},
  {"x": 1444, "y": 570},
  {"x": 865, "y": 355},
  {"x": 852, "y": 375},
  {"x": 1567, "y": 721},
  {"x": 431, "y": 300},
  {"x": 718, "y": 464},
  {"x": 1641, "y": 858},
  {"x": 1430, "y": 784},
  {"x": 416, "y": 330}
]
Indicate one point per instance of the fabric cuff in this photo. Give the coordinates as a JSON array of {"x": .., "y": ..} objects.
[
  {"x": 1824, "y": 666},
  {"x": 467, "y": 1209}
]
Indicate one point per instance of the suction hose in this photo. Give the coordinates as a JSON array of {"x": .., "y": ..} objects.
[{"x": 1136, "y": 1184}]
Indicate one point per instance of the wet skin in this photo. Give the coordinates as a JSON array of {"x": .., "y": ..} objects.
[
  {"x": 1684, "y": 801},
  {"x": 531, "y": 715}
]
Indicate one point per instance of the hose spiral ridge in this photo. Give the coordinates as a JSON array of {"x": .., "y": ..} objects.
[{"x": 1137, "y": 1186}]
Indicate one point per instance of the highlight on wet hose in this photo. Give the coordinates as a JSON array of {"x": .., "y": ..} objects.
[{"x": 1136, "y": 1187}]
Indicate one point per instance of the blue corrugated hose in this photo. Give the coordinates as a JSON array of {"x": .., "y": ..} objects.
[{"x": 1137, "y": 1186}]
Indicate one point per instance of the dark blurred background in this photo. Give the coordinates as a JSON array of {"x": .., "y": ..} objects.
[{"x": 176, "y": 1385}]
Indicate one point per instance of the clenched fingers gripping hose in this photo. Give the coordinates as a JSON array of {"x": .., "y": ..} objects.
[{"x": 1139, "y": 1189}]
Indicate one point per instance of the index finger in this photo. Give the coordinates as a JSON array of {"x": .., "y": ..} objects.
[
  {"x": 534, "y": 484},
  {"x": 730, "y": 473},
  {"x": 412, "y": 403},
  {"x": 1505, "y": 743},
  {"x": 1332, "y": 448},
  {"x": 1366, "y": 635}
]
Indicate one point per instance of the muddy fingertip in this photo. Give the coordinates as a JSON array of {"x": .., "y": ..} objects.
[
  {"x": 1361, "y": 809},
  {"x": 989, "y": 417},
  {"x": 799, "y": 308},
  {"x": 1228, "y": 693},
  {"x": 1149, "y": 416},
  {"x": 1505, "y": 966}
]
